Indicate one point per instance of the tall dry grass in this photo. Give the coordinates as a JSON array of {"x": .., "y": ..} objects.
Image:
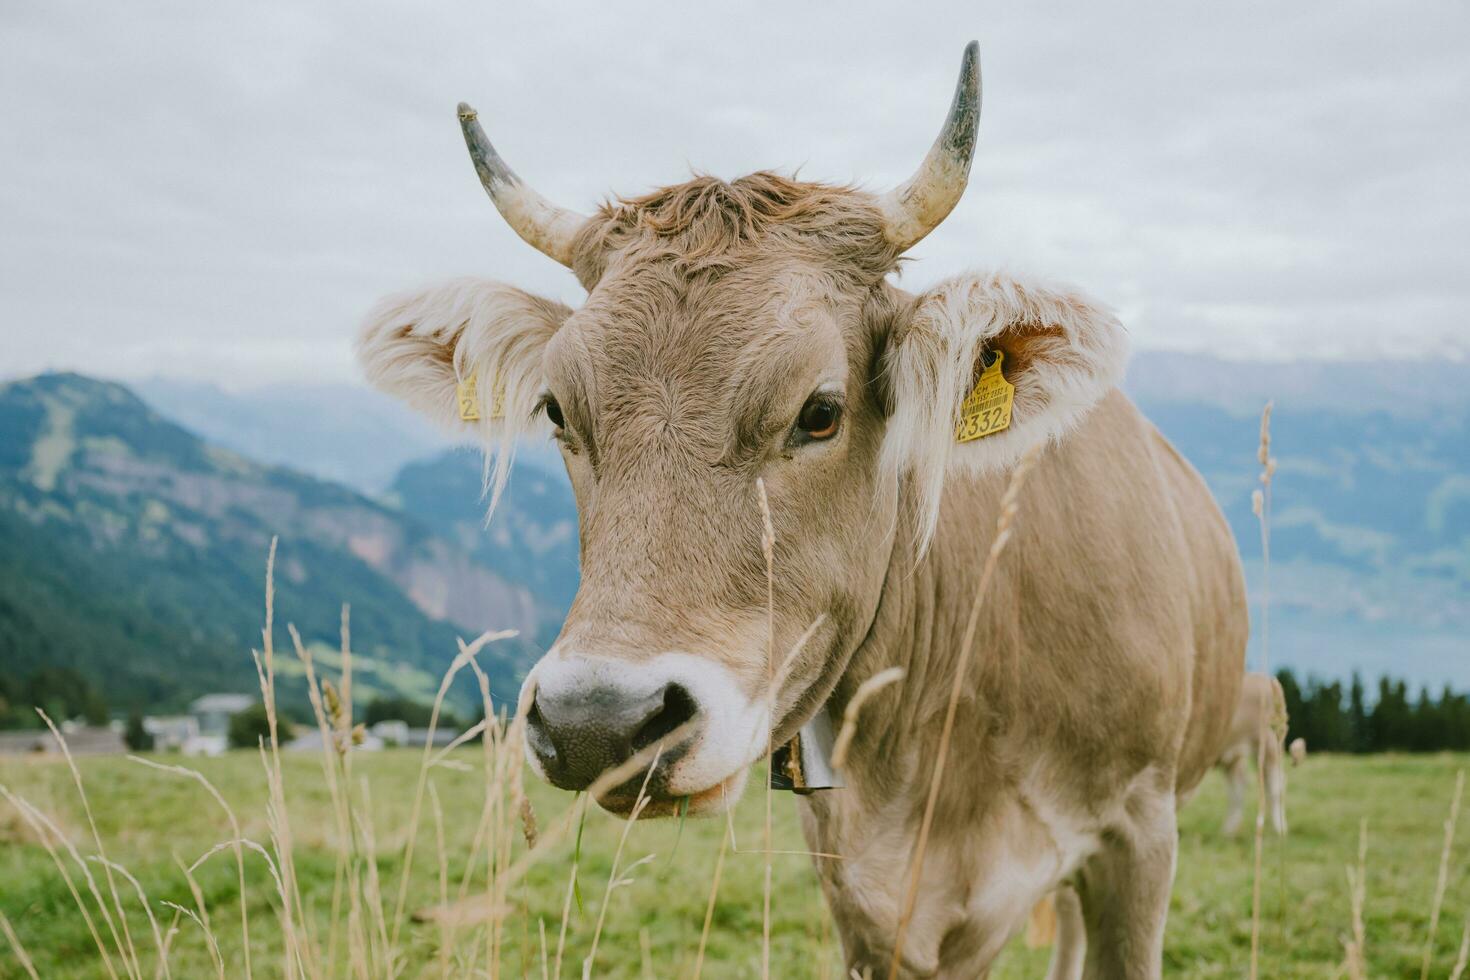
[{"x": 1261, "y": 506}]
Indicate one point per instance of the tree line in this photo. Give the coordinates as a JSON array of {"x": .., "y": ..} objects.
[
  {"x": 1334, "y": 718},
  {"x": 61, "y": 692}
]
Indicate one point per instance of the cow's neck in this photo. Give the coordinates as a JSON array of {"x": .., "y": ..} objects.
[
  {"x": 871, "y": 820},
  {"x": 919, "y": 627}
]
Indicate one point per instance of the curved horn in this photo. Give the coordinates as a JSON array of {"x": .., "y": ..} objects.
[
  {"x": 915, "y": 208},
  {"x": 543, "y": 225}
]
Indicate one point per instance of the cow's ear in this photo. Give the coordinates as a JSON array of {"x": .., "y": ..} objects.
[
  {"x": 466, "y": 353},
  {"x": 1034, "y": 357}
]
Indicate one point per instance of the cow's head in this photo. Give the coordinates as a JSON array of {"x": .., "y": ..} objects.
[{"x": 733, "y": 333}]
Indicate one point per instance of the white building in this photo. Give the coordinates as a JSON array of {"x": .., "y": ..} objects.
[{"x": 211, "y": 714}]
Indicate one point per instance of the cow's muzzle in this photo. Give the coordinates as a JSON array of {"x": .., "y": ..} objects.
[
  {"x": 578, "y": 732},
  {"x": 678, "y": 726}
]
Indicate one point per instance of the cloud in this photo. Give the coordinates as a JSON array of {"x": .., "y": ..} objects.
[{"x": 219, "y": 191}]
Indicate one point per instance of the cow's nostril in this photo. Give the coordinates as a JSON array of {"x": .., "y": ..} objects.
[
  {"x": 537, "y": 735},
  {"x": 676, "y": 708}
]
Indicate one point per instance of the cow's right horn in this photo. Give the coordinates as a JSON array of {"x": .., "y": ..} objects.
[
  {"x": 916, "y": 208},
  {"x": 550, "y": 229}
]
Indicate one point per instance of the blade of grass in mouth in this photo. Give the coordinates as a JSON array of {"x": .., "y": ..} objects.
[
  {"x": 577, "y": 859},
  {"x": 678, "y": 833}
]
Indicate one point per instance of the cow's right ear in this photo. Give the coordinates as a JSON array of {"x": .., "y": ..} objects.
[{"x": 466, "y": 353}]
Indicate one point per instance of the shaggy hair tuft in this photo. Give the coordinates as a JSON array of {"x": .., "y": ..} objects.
[{"x": 707, "y": 224}]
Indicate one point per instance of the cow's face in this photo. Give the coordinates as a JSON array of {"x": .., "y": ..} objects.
[
  {"x": 675, "y": 393},
  {"x": 736, "y": 338}
]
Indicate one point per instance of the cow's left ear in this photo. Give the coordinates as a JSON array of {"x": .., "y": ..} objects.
[{"x": 1058, "y": 353}]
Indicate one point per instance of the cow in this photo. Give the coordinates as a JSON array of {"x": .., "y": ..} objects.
[
  {"x": 1257, "y": 733},
  {"x": 745, "y": 343}
]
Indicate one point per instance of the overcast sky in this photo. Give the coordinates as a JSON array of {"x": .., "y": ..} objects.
[{"x": 219, "y": 191}]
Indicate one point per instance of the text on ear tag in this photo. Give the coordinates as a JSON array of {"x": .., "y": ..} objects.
[
  {"x": 987, "y": 409},
  {"x": 467, "y": 392}
]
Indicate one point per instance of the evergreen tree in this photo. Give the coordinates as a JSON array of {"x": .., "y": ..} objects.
[
  {"x": 136, "y": 736},
  {"x": 1361, "y": 738}
]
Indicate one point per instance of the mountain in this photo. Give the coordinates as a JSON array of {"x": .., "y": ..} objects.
[
  {"x": 133, "y": 551},
  {"x": 530, "y": 539}
]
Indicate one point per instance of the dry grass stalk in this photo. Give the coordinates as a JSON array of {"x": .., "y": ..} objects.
[
  {"x": 209, "y": 941},
  {"x": 545, "y": 963},
  {"x": 333, "y": 718},
  {"x": 768, "y": 549},
  {"x": 613, "y": 880},
  {"x": 491, "y": 754},
  {"x": 464, "y": 656},
  {"x": 645, "y": 953},
  {"x": 128, "y": 954},
  {"x": 1463, "y": 958},
  {"x": 147, "y": 910},
  {"x": 1444, "y": 873},
  {"x": 203, "y": 917},
  {"x": 509, "y": 792},
  {"x": 21, "y": 955},
  {"x": 1356, "y": 965},
  {"x": 714, "y": 891},
  {"x": 376, "y": 928},
  {"x": 1009, "y": 506},
  {"x": 40, "y": 824},
  {"x": 865, "y": 690},
  {"x": 566, "y": 905},
  {"x": 209, "y": 787},
  {"x": 1261, "y": 505},
  {"x": 438, "y": 812},
  {"x": 278, "y": 818}
]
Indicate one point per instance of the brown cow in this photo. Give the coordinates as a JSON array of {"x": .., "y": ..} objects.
[
  {"x": 752, "y": 330},
  {"x": 1256, "y": 736}
]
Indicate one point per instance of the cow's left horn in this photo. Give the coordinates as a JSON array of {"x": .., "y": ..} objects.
[
  {"x": 550, "y": 229},
  {"x": 915, "y": 208}
]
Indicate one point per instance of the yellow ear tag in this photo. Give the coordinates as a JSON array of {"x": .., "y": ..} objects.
[
  {"x": 468, "y": 394},
  {"x": 497, "y": 399},
  {"x": 987, "y": 409}
]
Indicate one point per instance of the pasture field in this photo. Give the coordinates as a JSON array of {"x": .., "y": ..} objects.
[{"x": 149, "y": 820}]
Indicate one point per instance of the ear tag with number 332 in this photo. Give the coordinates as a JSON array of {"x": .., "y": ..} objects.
[{"x": 987, "y": 409}]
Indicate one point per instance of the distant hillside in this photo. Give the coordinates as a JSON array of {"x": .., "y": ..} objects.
[
  {"x": 532, "y": 538},
  {"x": 133, "y": 551}
]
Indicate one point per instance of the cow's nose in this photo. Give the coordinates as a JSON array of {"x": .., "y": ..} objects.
[{"x": 579, "y": 733}]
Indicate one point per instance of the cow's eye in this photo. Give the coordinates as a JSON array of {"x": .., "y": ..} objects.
[
  {"x": 819, "y": 417},
  {"x": 553, "y": 411}
]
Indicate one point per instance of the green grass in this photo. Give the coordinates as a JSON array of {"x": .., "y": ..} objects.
[{"x": 146, "y": 818}]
